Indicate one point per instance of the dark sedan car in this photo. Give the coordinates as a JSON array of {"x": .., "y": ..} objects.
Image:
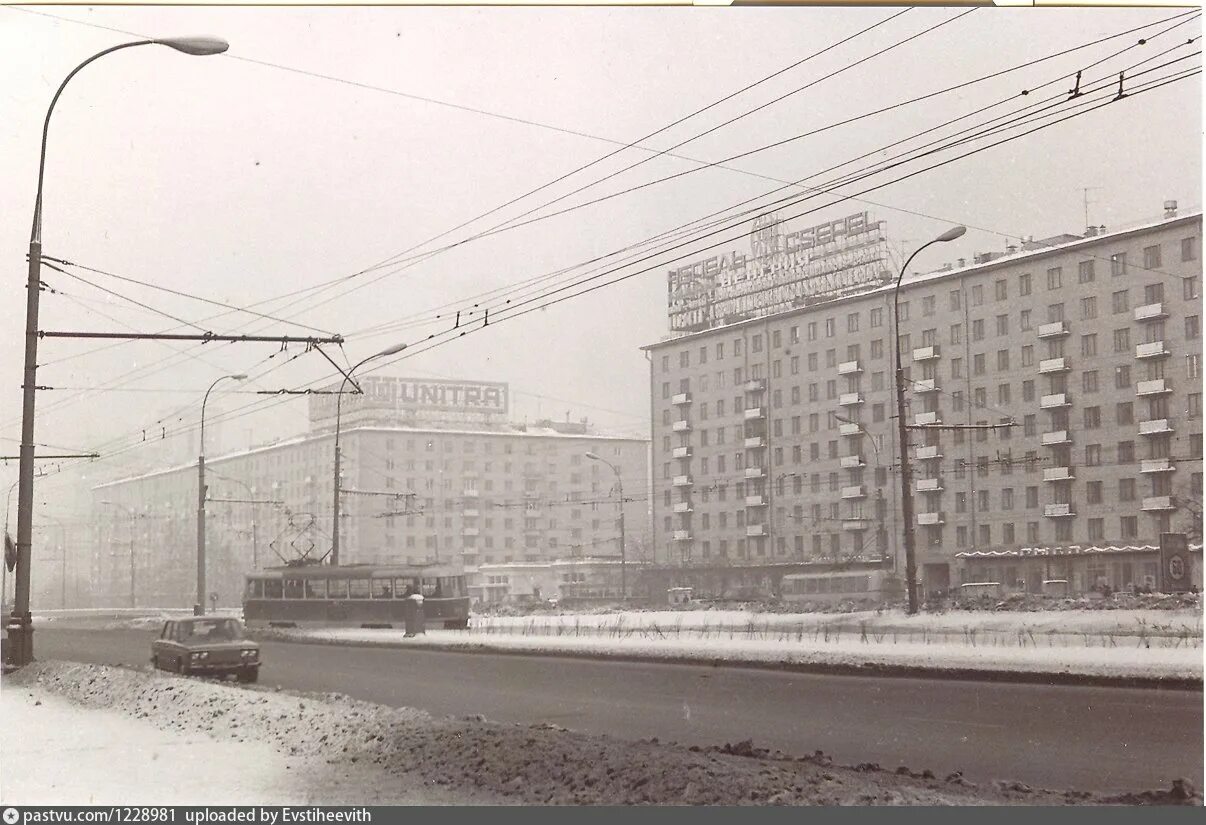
[{"x": 210, "y": 646}]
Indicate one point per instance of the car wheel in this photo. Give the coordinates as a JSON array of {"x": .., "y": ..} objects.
[
  {"x": 250, "y": 675},
  {"x": 182, "y": 666}
]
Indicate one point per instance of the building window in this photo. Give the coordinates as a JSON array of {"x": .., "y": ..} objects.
[
  {"x": 956, "y": 300},
  {"x": 877, "y": 317},
  {"x": 1002, "y": 325},
  {"x": 852, "y": 322},
  {"x": 1189, "y": 287},
  {"x": 979, "y": 364},
  {"x": 1002, "y": 360},
  {"x": 977, "y": 331},
  {"x": 1193, "y": 327},
  {"x": 1118, "y": 264},
  {"x": 1002, "y": 289},
  {"x": 1189, "y": 249},
  {"x": 1126, "y": 489},
  {"x": 1151, "y": 256},
  {"x": 1088, "y": 344},
  {"x": 977, "y": 295},
  {"x": 1122, "y": 377},
  {"x": 1089, "y": 382},
  {"x": 1121, "y": 301},
  {"x": 1085, "y": 274},
  {"x": 1055, "y": 278},
  {"x": 1028, "y": 390},
  {"x": 1129, "y": 527},
  {"x": 1126, "y": 452},
  {"x": 1093, "y": 454},
  {"x": 1096, "y": 529},
  {"x": 1024, "y": 284},
  {"x": 928, "y": 305},
  {"x": 1088, "y": 308},
  {"x": 1126, "y": 412},
  {"x": 1028, "y": 356}
]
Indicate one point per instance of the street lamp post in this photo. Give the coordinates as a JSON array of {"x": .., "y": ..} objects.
[
  {"x": 338, "y": 420},
  {"x": 620, "y": 492},
  {"x": 199, "y": 605},
  {"x": 20, "y": 627},
  {"x": 906, "y": 490}
]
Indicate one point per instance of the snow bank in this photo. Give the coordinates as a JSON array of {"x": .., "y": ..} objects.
[{"x": 383, "y": 753}]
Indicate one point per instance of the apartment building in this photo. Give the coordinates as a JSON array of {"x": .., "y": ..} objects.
[
  {"x": 423, "y": 479},
  {"x": 1053, "y": 391}
]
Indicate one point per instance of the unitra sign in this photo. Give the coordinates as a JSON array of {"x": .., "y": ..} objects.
[
  {"x": 782, "y": 271},
  {"x": 403, "y": 395}
]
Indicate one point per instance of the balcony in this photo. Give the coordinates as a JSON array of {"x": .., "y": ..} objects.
[
  {"x": 1049, "y": 365},
  {"x": 681, "y": 426},
  {"x": 854, "y": 492},
  {"x": 682, "y": 481},
  {"x": 1056, "y": 438},
  {"x": 755, "y": 385},
  {"x": 681, "y": 398},
  {"x": 1054, "y": 330},
  {"x": 1156, "y": 465},
  {"x": 756, "y": 442},
  {"x": 470, "y": 493},
  {"x": 470, "y": 512},
  {"x": 856, "y": 524},
  {"x": 1058, "y": 510},
  {"x": 754, "y": 472},
  {"x": 1156, "y": 426},
  {"x": 850, "y": 429},
  {"x": 682, "y": 507},
  {"x": 755, "y": 413},
  {"x": 531, "y": 494},
  {"x": 931, "y": 518},
  {"x": 926, "y": 385},
  {"x": 1058, "y": 474},
  {"x": 927, "y": 453},
  {"x": 681, "y": 452},
  {"x": 470, "y": 531},
  {"x": 755, "y": 501},
  {"x": 1155, "y": 349},
  {"x": 852, "y": 462},
  {"x": 1158, "y": 386},
  {"x": 1158, "y": 503},
  {"x": 850, "y": 399},
  {"x": 755, "y": 530},
  {"x": 1055, "y": 401},
  {"x": 1151, "y": 312},
  {"x": 929, "y": 485},
  {"x": 682, "y": 535},
  {"x": 923, "y": 418},
  {"x": 849, "y": 368},
  {"x": 925, "y": 353}
]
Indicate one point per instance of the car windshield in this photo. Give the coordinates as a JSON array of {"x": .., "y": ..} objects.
[{"x": 222, "y": 630}]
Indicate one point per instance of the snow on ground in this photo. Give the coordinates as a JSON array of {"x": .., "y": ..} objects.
[
  {"x": 1046, "y": 655},
  {"x": 347, "y": 751},
  {"x": 1119, "y": 622}
]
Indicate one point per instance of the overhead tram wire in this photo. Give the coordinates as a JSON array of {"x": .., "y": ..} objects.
[
  {"x": 921, "y": 170},
  {"x": 868, "y": 189},
  {"x": 800, "y": 182},
  {"x": 791, "y": 200}
]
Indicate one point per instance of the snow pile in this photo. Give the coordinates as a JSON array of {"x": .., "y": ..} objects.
[{"x": 542, "y": 764}]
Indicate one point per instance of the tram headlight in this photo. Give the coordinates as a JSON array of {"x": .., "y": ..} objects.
[
  {"x": 200, "y": 656},
  {"x": 250, "y": 653}
]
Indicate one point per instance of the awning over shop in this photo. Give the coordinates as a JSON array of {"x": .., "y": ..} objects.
[{"x": 1066, "y": 550}]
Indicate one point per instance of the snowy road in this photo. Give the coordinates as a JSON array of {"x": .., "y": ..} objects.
[{"x": 1073, "y": 737}]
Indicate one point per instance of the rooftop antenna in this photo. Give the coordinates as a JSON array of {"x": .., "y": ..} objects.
[{"x": 1085, "y": 190}]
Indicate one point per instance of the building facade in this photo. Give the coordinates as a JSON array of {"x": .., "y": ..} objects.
[
  {"x": 422, "y": 481},
  {"x": 774, "y": 437}
]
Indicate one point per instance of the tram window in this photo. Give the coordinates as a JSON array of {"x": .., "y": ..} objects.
[
  {"x": 272, "y": 588},
  {"x": 810, "y": 585},
  {"x": 358, "y": 588},
  {"x": 822, "y": 585},
  {"x": 404, "y": 588},
  {"x": 383, "y": 589},
  {"x": 451, "y": 586},
  {"x": 293, "y": 588},
  {"x": 338, "y": 589},
  {"x": 864, "y": 584},
  {"x": 430, "y": 587},
  {"x": 316, "y": 588},
  {"x": 255, "y": 589}
]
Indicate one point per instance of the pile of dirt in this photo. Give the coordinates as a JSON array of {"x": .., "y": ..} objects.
[
  {"x": 541, "y": 764},
  {"x": 1029, "y": 602}
]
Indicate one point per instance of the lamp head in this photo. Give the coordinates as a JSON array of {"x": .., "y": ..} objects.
[
  {"x": 239, "y": 376},
  {"x": 394, "y": 350},
  {"x": 592, "y": 455},
  {"x": 198, "y": 46},
  {"x": 951, "y": 234}
]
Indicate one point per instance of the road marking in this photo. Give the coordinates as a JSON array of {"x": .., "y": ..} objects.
[{"x": 953, "y": 722}]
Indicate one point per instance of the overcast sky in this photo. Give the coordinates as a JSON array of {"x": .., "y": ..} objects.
[{"x": 239, "y": 182}]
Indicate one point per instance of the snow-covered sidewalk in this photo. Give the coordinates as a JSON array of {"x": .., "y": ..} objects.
[{"x": 56, "y": 752}]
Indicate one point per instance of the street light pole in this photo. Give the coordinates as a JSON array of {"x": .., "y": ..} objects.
[
  {"x": 906, "y": 489},
  {"x": 199, "y": 605},
  {"x": 20, "y": 627},
  {"x": 338, "y": 420},
  {"x": 623, "y": 557}
]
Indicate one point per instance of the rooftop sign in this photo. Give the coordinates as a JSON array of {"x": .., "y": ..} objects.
[
  {"x": 400, "y": 396},
  {"x": 783, "y": 271}
]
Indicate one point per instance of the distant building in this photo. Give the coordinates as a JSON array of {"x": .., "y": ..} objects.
[
  {"x": 431, "y": 471},
  {"x": 773, "y": 412}
]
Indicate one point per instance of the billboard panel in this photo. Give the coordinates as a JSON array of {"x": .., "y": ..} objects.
[
  {"x": 411, "y": 395},
  {"x": 782, "y": 271}
]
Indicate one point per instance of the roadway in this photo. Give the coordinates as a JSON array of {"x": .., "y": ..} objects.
[{"x": 1060, "y": 737}]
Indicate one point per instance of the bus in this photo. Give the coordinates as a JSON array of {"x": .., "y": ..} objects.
[
  {"x": 354, "y": 595},
  {"x": 837, "y": 586}
]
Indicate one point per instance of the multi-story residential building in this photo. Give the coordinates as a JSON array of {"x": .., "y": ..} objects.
[
  {"x": 774, "y": 436},
  {"x": 424, "y": 478}
]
